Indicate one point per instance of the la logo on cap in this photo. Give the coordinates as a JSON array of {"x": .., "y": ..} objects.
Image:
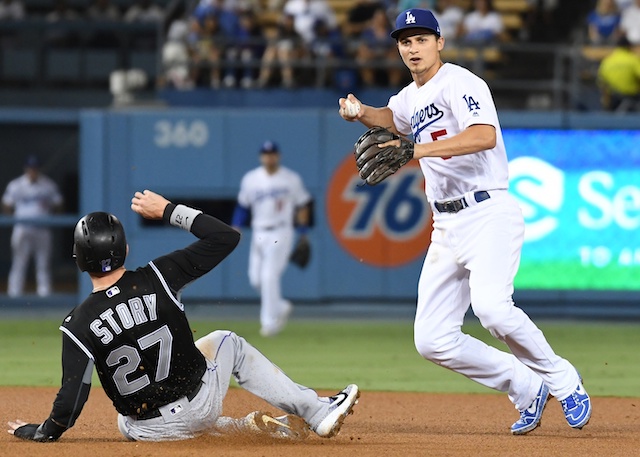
[{"x": 411, "y": 19}]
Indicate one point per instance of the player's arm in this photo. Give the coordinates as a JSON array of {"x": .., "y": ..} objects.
[
  {"x": 475, "y": 138},
  {"x": 368, "y": 115},
  {"x": 240, "y": 216},
  {"x": 216, "y": 239},
  {"x": 77, "y": 368}
]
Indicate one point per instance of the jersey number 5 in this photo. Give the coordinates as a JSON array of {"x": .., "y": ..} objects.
[
  {"x": 131, "y": 357},
  {"x": 437, "y": 134}
]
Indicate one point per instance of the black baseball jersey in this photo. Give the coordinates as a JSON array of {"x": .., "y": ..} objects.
[{"x": 136, "y": 333}]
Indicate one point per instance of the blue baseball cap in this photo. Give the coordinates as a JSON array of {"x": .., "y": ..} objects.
[
  {"x": 268, "y": 147},
  {"x": 32, "y": 162},
  {"x": 416, "y": 18}
]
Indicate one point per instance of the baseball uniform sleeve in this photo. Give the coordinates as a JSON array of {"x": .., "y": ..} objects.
[
  {"x": 397, "y": 104},
  {"x": 216, "y": 241},
  {"x": 471, "y": 102}
]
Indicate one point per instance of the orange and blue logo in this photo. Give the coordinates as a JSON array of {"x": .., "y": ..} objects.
[{"x": 387, "y": 225}]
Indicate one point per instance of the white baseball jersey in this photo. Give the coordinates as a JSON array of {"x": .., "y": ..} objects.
[
  {"x": 475, "y": 251},
  {"x": 451, "y": 101},
  {"x": 272, "y": 198},
  {"x": 32, "y": 199}
]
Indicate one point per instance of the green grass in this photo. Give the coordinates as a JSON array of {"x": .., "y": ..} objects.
[{"x": 375, "y": 355}]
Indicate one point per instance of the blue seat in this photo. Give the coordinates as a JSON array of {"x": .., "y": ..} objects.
[
  {"x": 145, "y": 60},
  {"x": 99, "y": 63},
  {"x": 19, "y": 65},
  {"x": 63, "y": 65}
]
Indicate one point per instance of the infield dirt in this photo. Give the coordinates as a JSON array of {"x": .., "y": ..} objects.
[{"x": 383, "y": 425}]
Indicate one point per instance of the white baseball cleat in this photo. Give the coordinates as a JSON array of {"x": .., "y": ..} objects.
[
  {"x": 280, "y": 324},
  {"x": 340, "y": 407}
]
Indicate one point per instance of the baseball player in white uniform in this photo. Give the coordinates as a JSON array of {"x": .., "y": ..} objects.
[
  {"x": 276, "y": 199},
  {"x": 478, "y": 230},
  {"x": 31, "y": 196}
]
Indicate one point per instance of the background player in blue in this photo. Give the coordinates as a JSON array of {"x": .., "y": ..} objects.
[
  {"x": 133, "y": 329},
  {"x": 478, "y": 230}
]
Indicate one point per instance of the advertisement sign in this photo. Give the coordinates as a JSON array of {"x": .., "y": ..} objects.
[
  {"x": 579, "y": 191},
  {"x": 580, "y": 196}
]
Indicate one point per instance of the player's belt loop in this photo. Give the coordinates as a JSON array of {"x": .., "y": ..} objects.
[{"x": 453, "y": 206}]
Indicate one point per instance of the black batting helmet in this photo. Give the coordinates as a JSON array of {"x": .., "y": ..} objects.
[{"x": 99, "y": 244}]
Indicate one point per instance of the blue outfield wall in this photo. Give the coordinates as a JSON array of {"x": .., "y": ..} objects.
[{"x": 368, "y": 242}]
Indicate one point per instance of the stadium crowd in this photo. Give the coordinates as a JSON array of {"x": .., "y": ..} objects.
[{"x": 320, "y": 43}]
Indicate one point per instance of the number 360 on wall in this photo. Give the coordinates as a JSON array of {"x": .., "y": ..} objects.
[{"x": 181, "y": 134}]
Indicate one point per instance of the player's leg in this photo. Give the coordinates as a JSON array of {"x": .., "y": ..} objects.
[
  {"x": 255, "y": 262},
  {"x": 443, "y": 300},
  {"x": 275, "y": 309},
  {"x": 494, "y": 258},
  {"x": 20, "y": 254},
  {"x": 231, "y": 354},
  {"x": 42, "y": 251},
  {"x": 493, "y": 268}
]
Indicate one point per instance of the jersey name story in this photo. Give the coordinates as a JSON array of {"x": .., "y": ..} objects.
[{"x": 137, "y": 311}]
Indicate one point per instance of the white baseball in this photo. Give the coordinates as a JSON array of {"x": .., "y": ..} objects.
[{"x": 351, "y": 108}]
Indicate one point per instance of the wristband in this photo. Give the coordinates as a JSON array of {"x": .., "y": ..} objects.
[
  {"x": 302, "y": 229},
  {"x": 183, "y": 216}
]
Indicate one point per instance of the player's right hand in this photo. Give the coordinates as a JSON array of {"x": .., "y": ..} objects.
[
  {"x": 347, "y": 104},
  {"x": 148, "y": 204}
]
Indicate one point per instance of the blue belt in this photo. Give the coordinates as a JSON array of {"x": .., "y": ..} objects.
[{"x": 453, "y": 206}]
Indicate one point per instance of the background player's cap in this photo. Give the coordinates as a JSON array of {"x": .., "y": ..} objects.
[
  {"x": 416, "y": 18},
  {"x": 268, "y": 147},
  {"x": 32, "y": 162}
]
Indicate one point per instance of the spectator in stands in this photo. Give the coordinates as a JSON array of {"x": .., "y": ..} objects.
[
  {"x": 241, "y": 6},
  {"x": 327, "y": 50},
  {"x": 540, "y": 21},
  {"x": 358, "y": 17},
  {"x": 306, "y": 13},
  {"x": 619, "y": 78},
  {"x": 104, "y": 36},
  {"x": 377, "y": 46},
  {"x": 12, "y": 10},
  {"x": 281, "y": 52},
  {"x": 449, "y": 16},
  {"x": 175, "y": 57},
  {"x": 208, "y": 42},
  {"x": 403, "y": 5},
  {"x": 227, "y": 18},
  {"x": 603, "y": 23},
  {"x": 482, "y": 25},
  {"x": 60, "y": 37},
  {"x": 144, "y": 12},
  {"x": 246, "y": 48},
  {"x": 622, "y": 4},
  {"x": 630, "y": 22},
  {"x": 103, "y": 10}
]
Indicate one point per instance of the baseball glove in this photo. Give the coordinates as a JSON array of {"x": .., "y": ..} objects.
[
  {"x": 301, "y": 254},
  {"x": 375, "y": 164}
]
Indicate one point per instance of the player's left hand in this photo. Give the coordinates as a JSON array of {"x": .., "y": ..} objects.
[
  {"x": 379, "y": 153},
  {"x": 32, "y": 432}
]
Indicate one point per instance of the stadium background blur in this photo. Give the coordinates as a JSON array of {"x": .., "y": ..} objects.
[{"x": 542, "y": 71}]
